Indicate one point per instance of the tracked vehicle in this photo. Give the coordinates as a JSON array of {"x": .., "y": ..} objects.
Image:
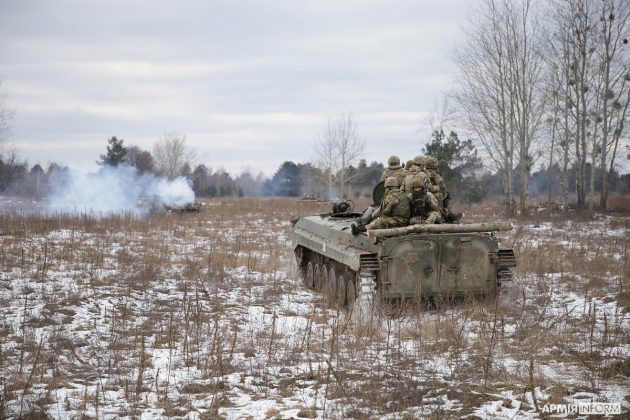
[
  {"x": 419, "y": 261},
  {"x": 193, "y": 207}
]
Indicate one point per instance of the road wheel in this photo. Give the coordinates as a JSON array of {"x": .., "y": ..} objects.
[
  {"x": 325, "y": 283},
  {"x": 308, "y": 275},
  {"x": 317, "y": 277},
  {"x": 331, "y": 288},
  {"x": 341, "y": 290},
  {"x": 351, "y": 288}
]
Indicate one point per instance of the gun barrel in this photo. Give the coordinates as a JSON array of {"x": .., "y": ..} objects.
[
  {"x": 366, "y": 217},
  {"x": 441, "y": 228}
]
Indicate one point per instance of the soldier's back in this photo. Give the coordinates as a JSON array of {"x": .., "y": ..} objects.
[{"x": 418, "y": 174}]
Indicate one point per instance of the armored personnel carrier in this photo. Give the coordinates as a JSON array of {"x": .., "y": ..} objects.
[
  {"x": 417, "y": 261},
  {"x": 194, "y": 207}
]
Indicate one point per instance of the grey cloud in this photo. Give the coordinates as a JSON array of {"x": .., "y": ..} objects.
[{"x": 222, "y": 72}]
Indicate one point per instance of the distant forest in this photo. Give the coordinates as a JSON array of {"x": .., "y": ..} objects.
[
  {"x": 467, "y": 175},
  {"x": 296, "y": 179}
]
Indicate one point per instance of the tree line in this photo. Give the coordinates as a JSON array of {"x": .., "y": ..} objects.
[
  {"x": 172, "y": 158},
  {"x": 459, "y": 163},
  {"x": 547, "y": 84}
]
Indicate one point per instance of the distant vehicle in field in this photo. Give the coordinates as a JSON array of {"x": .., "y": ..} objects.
[
  {"x": 310, "y": 197},
  {"x": 185, "y": 208},
  {"x": 417, "y": 261}
]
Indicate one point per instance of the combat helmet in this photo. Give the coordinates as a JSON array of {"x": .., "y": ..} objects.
[
  {"x": 417, "y": 183},
  {"x": 393, "y": 161},
  {"x": 391, "y": 181},
  {"x": 419, "y": 160},
  {"x": 431, "y": 162}
]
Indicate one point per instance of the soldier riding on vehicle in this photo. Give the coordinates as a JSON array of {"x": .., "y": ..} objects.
[
  {"x": 438, "y": 188},
  {"x": 424, "y": 206},
  {"x": 394, "y": 169},
  {"x": 415, "y": 172},
  {"x": 394, "y": 210}
]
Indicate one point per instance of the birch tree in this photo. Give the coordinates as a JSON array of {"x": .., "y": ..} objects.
[
  {"x": 581, "y": 48},
  {"x": 6, "y": 115},
  {"x": 559, "y": 53},
  {"x": 526, "y": 66},
  {"x": 326, "y": 155},
  {"x": 500, "y": 73},
  {"x": 482, "y": 92},
  {"x": 350, "y": 147},
  {"x": 589, "y": 42},
  {"x": 338, "y": 147},
  {"x": 614, "y": 63},
  {"x": 170, "y": 154}
]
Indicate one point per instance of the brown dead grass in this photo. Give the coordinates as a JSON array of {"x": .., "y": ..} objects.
[{"x": 167, "y": 277}]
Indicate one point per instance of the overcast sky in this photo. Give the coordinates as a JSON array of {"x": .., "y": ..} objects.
[{"x": 250, "y": 83}]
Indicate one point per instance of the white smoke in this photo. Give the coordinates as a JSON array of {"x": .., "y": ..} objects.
[{"x": 114, "y": 190}]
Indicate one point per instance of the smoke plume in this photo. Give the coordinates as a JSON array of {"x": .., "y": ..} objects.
[{"x": 114, "y": 190}]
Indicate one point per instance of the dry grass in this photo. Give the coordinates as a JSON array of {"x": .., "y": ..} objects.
[
  {"x": 204, "y": 315},
  {"x": 619, "y": 203}
]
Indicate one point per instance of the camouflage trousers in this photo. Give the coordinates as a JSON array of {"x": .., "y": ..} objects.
[
  {"x": 431, "y": 218},
  {"x": 384, "y": 222}
]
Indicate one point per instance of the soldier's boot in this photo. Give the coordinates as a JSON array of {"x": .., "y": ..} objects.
[
  {"x": 453, "y": 218},
  {"x": 357, "y": 228}
]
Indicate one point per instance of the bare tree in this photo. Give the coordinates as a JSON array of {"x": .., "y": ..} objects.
[
  {"x": 614, "y": 64},
  {"x": 170, "y": 155},
  {"x": 526, "y": 79},
  {"x": 338, "y": 147},
  {"x": 561, "y": 69},
  {"x": 500, "y": 73},
  {"x": 554, "y": 123},
  {"x": 12, "y": 167},
  {"x": 6, "y": 115},
  {"x": 327, "y": 162},
  {"x": 577, "y": 16},
  {"x": 483, "y": 93},
  {"x": 592, "y": 59},
  {"x": 248, "y": 184},
  {"x": 350, "y": 148},
  {"x": 619, "y": 125},
  {"x": 441, "y": 116}
]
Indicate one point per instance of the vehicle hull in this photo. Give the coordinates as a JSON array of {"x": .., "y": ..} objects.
[{"x": 412, "y": 265}]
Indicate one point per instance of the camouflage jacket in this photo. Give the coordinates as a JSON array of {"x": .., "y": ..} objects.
[
  {"x": 424, "y": 208},
  {"x": 397, "y": 172},
  {"x": 416, "y": 172},
  {"x": 437, "y": 184},
  {"x": 395, "y": 204}
]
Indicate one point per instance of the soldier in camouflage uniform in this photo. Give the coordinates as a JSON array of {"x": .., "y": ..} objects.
[
  {"x": 394, "y": 169},
  {"x": 424, "y": 206},
  {"x": 416, "y": 172},
  {"x": 394, "y": 210},
  {"x": 403, "y": 175},
  {"x": 438, "y": 188}
]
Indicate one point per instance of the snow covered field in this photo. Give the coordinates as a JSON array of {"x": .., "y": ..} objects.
[{"x": 204, "y": 316}]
